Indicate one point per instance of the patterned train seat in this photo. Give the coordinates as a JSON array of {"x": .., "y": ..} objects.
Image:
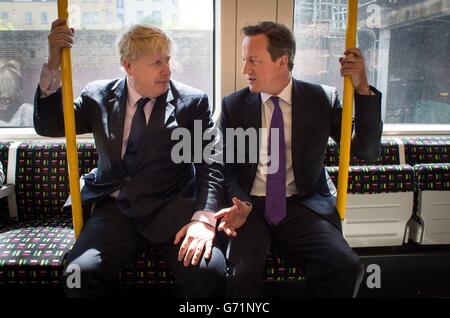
[
  {"x": 427, "y": 149},
  {"x": 32, "y": 250},
  {"x": 390, "y": 154}
]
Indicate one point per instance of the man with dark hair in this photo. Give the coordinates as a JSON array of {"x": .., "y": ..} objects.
[{"x": 294, "y": 205}]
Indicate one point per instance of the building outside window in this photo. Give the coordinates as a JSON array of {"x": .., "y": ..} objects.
[
  {"x": 94, "y": 54},
  {"x": 405, "y": 44}
]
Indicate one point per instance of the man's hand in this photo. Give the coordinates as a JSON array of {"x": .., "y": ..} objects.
[
  {"x": 353, "y": 65},
  {"x": 197, "y": 236},
  {"x": 233, "y": 217},
  {"x": 60, "y": 36}
]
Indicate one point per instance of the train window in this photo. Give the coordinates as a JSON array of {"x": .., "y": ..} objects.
[
  {"x": 405, "y": 44},
  {"x": 23, "y": 45}
]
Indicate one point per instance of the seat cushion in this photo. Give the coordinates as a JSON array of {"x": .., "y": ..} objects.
[
  {"x": 42, "y": 182},
  {"x": 389, "y": 154},
  {"x": 32, "y": 252},
  {"x": 377, "y": 179},
  {"x": 433, "y": 177},
  {"x": 426, "y": 149}
]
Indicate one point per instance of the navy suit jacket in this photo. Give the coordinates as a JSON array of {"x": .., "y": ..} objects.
[
  {"x": 316, "y": 116},
  {"x": 163, "y": 194}
]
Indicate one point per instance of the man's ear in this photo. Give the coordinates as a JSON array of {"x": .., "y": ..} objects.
[
  {"x": 127, "y": 67},
  {"x": 284, "y": 61}
]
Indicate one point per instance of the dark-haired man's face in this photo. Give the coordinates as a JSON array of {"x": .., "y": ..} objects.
[{"x": 262, "y": 74}]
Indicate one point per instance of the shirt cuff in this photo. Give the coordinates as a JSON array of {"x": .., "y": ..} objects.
[
  {"x": 249, "y": 204},
  {"x": 50, "y": 81},
  {"x": 205, "y": 217}
]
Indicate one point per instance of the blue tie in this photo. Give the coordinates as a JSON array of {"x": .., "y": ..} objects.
[
  {"x": 276, "y": 182},
  {"x": 137, "y": 130}
]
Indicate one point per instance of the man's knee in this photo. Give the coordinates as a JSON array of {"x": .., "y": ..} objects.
[
  {"x": 83, "y": 272},
  {"x": 352, "y": 265}
]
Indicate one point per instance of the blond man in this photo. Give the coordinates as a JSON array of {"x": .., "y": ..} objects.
[{"x": 142, "y": 197}]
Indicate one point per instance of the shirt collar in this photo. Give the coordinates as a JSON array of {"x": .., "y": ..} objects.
[
  {"x": 285, "y": 94},
  {"x": 133, "y": 95}
]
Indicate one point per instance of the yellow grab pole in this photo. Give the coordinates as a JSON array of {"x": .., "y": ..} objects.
[
  {"x": 69, "y": 124},
  {"x": 347, "y": 112}
]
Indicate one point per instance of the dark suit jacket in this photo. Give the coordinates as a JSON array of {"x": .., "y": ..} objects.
[
  {"x": 316, "y": 115},
  {"x": 164, "y": 195}
]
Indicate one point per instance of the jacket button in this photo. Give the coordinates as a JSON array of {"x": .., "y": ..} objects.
[{"x": 127, "y": 179}]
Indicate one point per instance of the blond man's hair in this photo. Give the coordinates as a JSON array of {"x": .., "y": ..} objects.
[{"x": 140, "y": 39}]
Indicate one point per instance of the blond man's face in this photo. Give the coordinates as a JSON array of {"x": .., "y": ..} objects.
[{"x": 150, "y": 73}]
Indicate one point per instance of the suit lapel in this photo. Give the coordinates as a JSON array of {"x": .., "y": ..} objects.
[
  {"x": 161, "y": 113},
  {"x": 117, "y": 119},
  {"x": 252, "y": 119},
  {"x": 300, "y": 114},
  {"x": 169, "y": 112}
]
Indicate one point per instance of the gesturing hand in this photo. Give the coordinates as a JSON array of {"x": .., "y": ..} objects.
[{"x": 233, "y": 217}]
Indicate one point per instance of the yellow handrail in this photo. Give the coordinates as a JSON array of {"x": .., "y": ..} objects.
[
  {"x": 69, "y": 124},
  {"x": 346, "y": 128}
]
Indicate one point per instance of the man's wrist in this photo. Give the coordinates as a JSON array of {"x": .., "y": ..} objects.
[
  {"x": 53, "y": 67},
  {"x": 365, "y": 91},
  {"x": 248, "y": 204},
  {"x": 205, "y": 217}
]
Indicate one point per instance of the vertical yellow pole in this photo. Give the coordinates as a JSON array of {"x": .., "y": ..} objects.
[
  {"x": 69, "y": 124},
  {"x": 347, "y": 112}
]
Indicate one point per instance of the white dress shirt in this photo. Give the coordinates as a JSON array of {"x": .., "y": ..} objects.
[{"x": 267, "y": 107}]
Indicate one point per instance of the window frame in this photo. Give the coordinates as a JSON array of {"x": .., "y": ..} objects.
[{"x": 229, "y": 17}]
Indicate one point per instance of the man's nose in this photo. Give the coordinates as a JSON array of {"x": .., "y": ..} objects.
[
  {"x": 246, "y": 68},
  {"x": 166, "y": 71}
]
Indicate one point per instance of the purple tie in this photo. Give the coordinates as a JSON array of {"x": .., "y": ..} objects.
[{"x": 276, "y": 182}]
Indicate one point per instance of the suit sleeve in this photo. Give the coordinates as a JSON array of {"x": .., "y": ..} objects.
[
  {"x": 48, "y": 115},
  {"x": 232, "y": 185},
  {"x": 367, "y": 124},
  {"x": 209, "y": 172}
]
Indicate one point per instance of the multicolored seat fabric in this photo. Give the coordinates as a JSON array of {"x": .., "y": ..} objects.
[
  {"x": 433, "y": 177},
  {"x": 149, "y": 269},
  {"x": 42, "y": 182},
  {"x": 277, "y": 269},
  {"x": 377, "y": 179},
  {"x": 390, "y": 154},
  {"x": 426, "y": 149},
  {"x": 32, "y": 252}
]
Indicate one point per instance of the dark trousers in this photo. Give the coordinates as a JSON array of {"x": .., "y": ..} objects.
[
  {"x": 304, "y": 238},
  {"x": 109, "y": 241}
]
